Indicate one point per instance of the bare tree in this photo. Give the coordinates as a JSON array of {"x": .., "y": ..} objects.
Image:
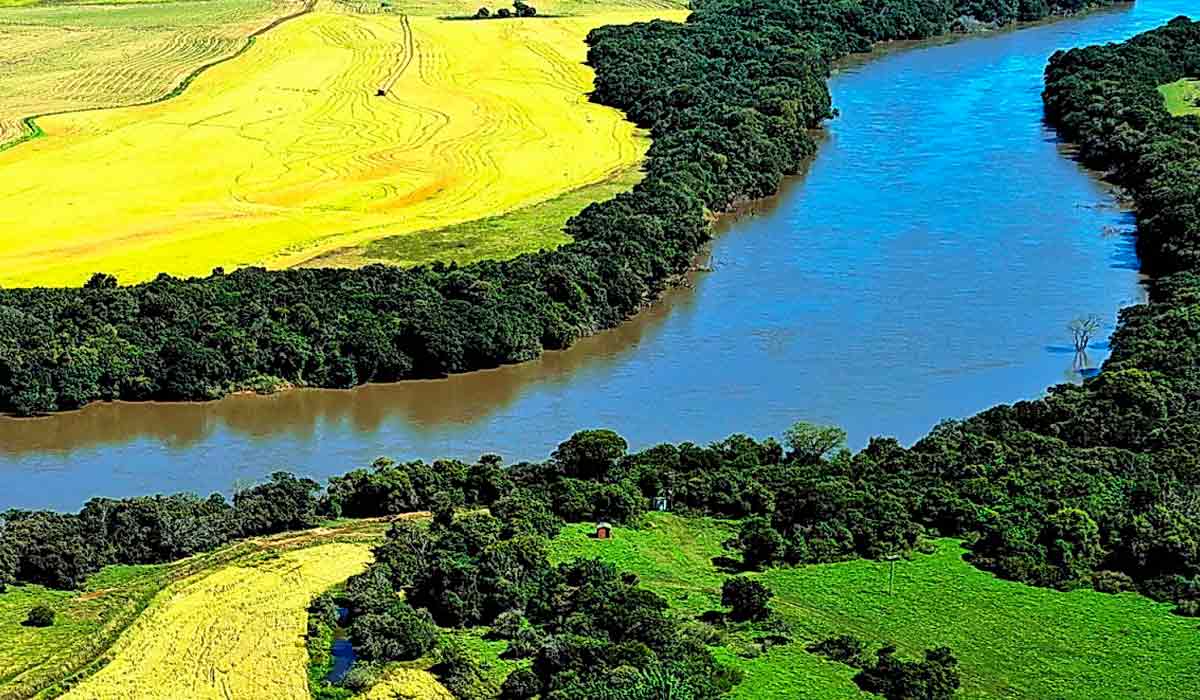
[{"x": 1082, "y": 329}]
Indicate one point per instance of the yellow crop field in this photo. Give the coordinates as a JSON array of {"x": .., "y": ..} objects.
[
  {"x": 464, "y": 8},
  {"x": 408, "y": 684},
  {"x": 65, "y": 56},
  {"x": 237, "y": 632},
  {"x": 287, "y": 153}
]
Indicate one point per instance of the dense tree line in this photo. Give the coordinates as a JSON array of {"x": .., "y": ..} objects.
[
  {"x": 730, "y": 97},
  {"x": 61, "y": 550}
]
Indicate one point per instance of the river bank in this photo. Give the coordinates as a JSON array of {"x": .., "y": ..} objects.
[{"x": 881, "y": 308}]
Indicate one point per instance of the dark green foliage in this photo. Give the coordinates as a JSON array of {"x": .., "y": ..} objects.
[
  {"x": 397, "y": 632},
  {"x": 323, "y": 610},
  {"x": 759, "y": 543},
  {"x": 362, "y": 676},
  {"x": 390, "y": 488},
  {"x": 747, "y": 599},
  {"x": 521, "y": 684},
  {"x": 51, "y": 549},
  {"x": 576, "y": 622},
  {"x": 810, "y": 443},
  {"x": 283, "y": 503},
  {"x": 523, "y": 512},
  {"x": 61, "y": 550},
  {"x": 842, "y": 648},
  {"x": 40, "y": 616},
  {"x": 934, "y": 678},
  {"x": 8, "y": 563},
  {"x": 589, "y": 455},
  {"x": 157, "y": 528}
]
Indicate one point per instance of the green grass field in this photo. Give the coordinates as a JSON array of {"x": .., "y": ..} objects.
[
  {"x": 1183, "y": 96},
  {"x": 496, "y": 238},
  {"x": 87, "y": 622},
  {"x": 1013, "y": 640}
]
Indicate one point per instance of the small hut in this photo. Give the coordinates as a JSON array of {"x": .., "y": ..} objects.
[
  {"x": 603, "y": 531},
  {"x": 381, "y": 92}
]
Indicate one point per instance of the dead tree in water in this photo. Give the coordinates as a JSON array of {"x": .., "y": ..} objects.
[{"x": 1082, "y": 329}]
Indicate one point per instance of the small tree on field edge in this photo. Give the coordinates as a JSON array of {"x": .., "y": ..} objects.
[
  {"x": 747, "y": 598},
  {"x": 40, "y": 616}
]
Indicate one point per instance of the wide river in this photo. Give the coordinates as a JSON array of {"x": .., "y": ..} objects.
[{"x": 924, "y": 267}]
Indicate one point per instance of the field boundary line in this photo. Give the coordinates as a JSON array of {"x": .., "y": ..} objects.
[{"x": 35, "y": 132}]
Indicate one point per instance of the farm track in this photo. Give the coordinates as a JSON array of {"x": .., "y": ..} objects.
[{"x": 407, "y": 58}]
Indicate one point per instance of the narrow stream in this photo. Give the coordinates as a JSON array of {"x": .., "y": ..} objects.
[{"x": 925, "y": 267}]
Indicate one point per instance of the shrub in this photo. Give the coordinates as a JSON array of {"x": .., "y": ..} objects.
[
  {"x": 462, "y": 675},
  {"x": 362, "y": 676},
  {"x": 747, "y": 598},
  {"x": 842, "y": 648},
  {"x": 1112, "y": 582},
  {"x": 935, "y": 678},
  {"x": 40, "y": 616},
  {"x": 520, "y": 685},
  {"x": 399, "y": 633}
]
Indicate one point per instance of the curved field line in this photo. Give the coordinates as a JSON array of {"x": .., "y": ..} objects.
[{"x": 34, "y": 131}]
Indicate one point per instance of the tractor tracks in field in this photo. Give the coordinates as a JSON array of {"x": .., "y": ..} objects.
[
  {"x": 33, "y": 131},
  {"x": 405, "y": 62}
]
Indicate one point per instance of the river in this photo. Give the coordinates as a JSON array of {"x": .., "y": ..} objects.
[{"x": 924, "y": 267}]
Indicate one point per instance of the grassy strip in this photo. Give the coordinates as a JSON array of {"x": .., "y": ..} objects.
[
  {"x": 1013, "y": 640},
  {"x": 538, "y": 226},
  {"x": 1182, "y": 96},
  {"x": 42, "y": 662}
]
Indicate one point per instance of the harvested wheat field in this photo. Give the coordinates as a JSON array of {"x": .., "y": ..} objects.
[
  {"x": 235, "y": 633},
  {"x": 408, "y": 684},
  {"x": 65, "y": 56},
  {"x": 287, "y": 152}
]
